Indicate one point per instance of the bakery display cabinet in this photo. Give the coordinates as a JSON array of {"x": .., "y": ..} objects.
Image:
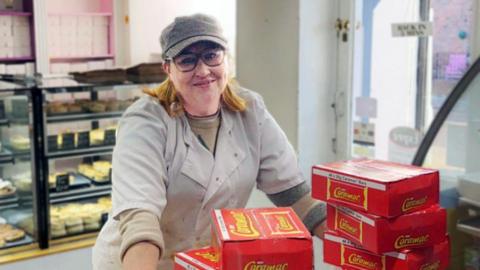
[
  {"x": 56, "y": 142},
  {"x": 79, "y": 128},
  {"x": 18, "y": 205}
]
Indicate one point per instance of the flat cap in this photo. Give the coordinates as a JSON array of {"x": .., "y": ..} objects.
[{"x": 186, "y": 30}]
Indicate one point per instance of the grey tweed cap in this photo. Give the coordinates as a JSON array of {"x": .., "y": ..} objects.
[{"x": 186, "y": 30}]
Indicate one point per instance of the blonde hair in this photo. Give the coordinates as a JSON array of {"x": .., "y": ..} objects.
[{"x": 173, "y": 103}]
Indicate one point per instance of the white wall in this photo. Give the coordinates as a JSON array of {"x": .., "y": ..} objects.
[
  {"x": 393, "y": 78},
  {"x": 149, "y": 17},
  {"x": 285, "y": 52},
  {"x": 267, "y": 57},
  {"x": 316, "y": 83}
]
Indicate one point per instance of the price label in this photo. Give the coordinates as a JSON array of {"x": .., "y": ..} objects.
[
  {"x": 68, "y": 141},
  {"x": 2, "y": 109},
  {"x": 109, "y": 137},
  {"x": 52, "y": 143},
  {"x": 103, "y": 219},
  {"x": 83, "y": 139},
  {"x": 62, "y": 182}
]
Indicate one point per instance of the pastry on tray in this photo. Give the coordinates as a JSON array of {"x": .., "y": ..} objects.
[
  {"x": 8, "y": 233},
  {"x": 113, "y": 105},
  {"x": 99, "y": 171},
  {"x": 97, "y": 136},
  {"x": 95, "y": 106},
  {"x": 56, "y": 108},
  {"x": 20, "y": 142},
  {"x": 23, "y": 182},
  {"x": 6, "y": 188},
  {"x": 74, "y": 108}
]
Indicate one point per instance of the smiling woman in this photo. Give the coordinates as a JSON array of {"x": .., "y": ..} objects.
[
  {"x": 199, "y": 82},
  {"x": 196, "y": 143}
]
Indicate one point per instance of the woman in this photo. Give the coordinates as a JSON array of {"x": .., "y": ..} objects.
[{"x": 196, "y": 143}]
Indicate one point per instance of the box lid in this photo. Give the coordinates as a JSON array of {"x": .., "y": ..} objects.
[
  {"x": 258, "y": 223},
  {"x": 370, "y": 169},
  {"x": 206, "y": 258}
]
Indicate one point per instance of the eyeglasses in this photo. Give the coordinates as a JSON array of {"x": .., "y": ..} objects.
[{"x": 188, "y": 61}]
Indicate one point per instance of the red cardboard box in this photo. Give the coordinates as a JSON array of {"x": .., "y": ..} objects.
[
  {"x": 378, "y": 187},
  {"x": 341, "y": 252},
  {"x": 267, "y": 238},
  {"x": 379, "y": 235},
  {"x": 200, "y": 259}
]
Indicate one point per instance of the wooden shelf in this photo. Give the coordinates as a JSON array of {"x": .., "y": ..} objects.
[
  {"x": 105, "y": 14},
  {"x": 83, "y": 116},
  {"x": 85, "y": 57},
  {"x": 14, "y": 13},
  {"x": 16, "y": 59}
]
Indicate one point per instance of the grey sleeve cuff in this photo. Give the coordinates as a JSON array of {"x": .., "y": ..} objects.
[
  {"x": 312, "y": 212},
  {"x": 289, "y": 196},
  {"x": 315, "y": 216}
]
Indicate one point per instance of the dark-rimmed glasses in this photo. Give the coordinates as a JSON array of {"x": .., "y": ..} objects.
[{"x": 186, "y": 62}]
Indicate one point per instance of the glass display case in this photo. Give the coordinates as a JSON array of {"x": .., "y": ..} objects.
[
  {"x": 80, "y": 122},
  {"x": 57, "y": 189},
  {"x": 18, "y": 204},
  {"x": 452, "y": 145}
]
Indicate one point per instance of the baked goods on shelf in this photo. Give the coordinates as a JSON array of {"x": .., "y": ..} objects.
[
  {"x": 125, "y": 103},
  {"x": 8, "y": 233},
  {"x": 99, "y": 171},
  {"x": 57, "y": 227},
  {"x": 56, "y": 108},
  {"x": 19, "y": 142},
  {"x": 23, "y": 182},
  {"x": 112, "y": 105},
  {"x": 94, "y": 106},
  {"x": 75, "y": 218},
  {"x": 102, "y": 166},
  {"x": 74, "y": 108},
  {"x": 6, "y": 188},
  {"x": 105, "y": 203},
  {"x": 97, "y": 136}
]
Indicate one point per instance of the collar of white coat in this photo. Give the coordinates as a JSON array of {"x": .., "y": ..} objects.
[{"x": 229, "y": 143}]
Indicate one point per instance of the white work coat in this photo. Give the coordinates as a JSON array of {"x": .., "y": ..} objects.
[{"x": 159, "y": 165}]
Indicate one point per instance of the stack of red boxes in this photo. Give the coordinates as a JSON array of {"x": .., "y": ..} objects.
[
  {"x": 381, "y": 215},
  {"x": 253, "y": 239}
]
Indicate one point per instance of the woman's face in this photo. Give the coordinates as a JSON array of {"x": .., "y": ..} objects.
[{"x": 202, "y": 85}]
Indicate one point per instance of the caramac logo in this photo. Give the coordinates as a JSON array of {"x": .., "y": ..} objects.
[
  {"x": 408, "y": 241},
  {"x": 346, "y": 226},
  {"x": 211, "y": 256},
  {"x": 411, "y": 203},
  {"x": 243, "y": 225},
  {"x": 431, "y": 266},
  {"x": 284, "y": 224},
  {"x": 342, "y": 193},
  {"x": 261, "y": 266},
  {"x": 358, "y": 260}
]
